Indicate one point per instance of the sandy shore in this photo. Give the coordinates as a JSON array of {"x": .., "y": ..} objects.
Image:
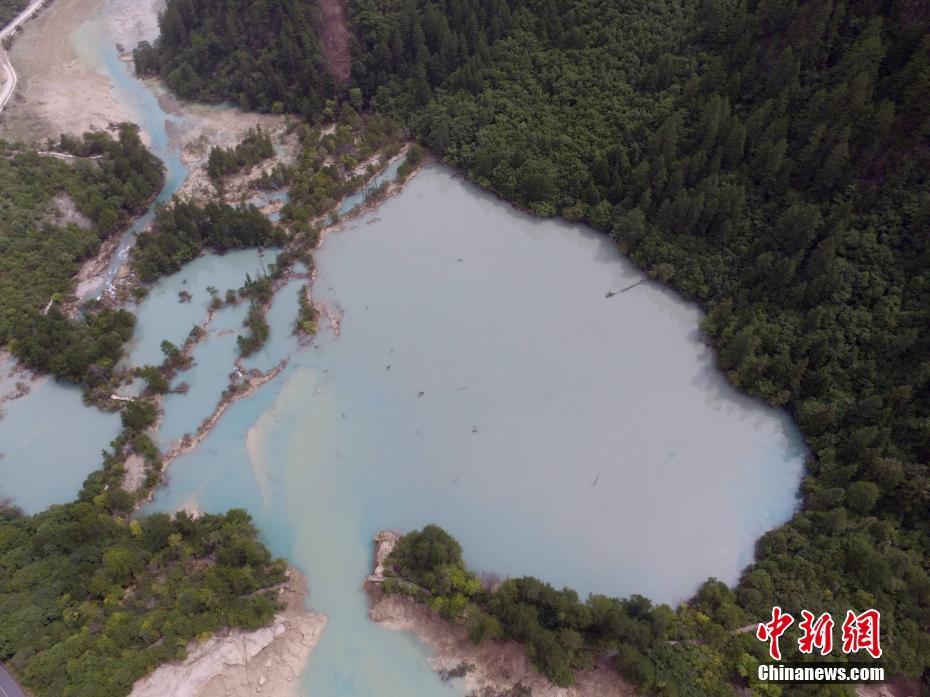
[
  {"x": 267, "y": 661},
  {"x": 489, "y": 669}
]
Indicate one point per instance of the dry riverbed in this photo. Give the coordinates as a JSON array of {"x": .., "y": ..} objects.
[
  {"x": 57, "y": 92},
  {"x": 205, "y": 126}
]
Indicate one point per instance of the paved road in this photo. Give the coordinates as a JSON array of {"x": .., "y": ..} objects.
[
  {"x": 7, "y": 73},
  {"x": 8, "y": 686}
]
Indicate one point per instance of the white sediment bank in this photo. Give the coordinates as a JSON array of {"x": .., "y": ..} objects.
[
  {"x": 489, "y": 669},
  {"x": 267, "y": 661}
]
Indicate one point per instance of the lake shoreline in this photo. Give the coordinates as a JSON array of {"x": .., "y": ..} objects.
[
  {"x": 493, "y": 668},
  {"x": 255, "y": 379},
  {"x": 239, "y": 663}
]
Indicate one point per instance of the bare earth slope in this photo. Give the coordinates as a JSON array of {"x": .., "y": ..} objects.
[{"x": 336, "y": 38}]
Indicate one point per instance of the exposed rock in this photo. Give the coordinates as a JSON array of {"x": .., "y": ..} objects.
[
  {"x": 266, "y": 661},
  {"x": 65, "y": 212},
  {"x": 489, "y": 669},
  {"x": 385, "y": 542},
  {"x": 336, "y": 39},
  {"x": 134, "y": 475}
]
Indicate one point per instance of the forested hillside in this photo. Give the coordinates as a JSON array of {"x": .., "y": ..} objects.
[
  {"x": 262, "y": 55},
  {"x": 767, "y": 158},
  {"x": 92, "y": 601},
  {"x": 54, "y": 214}
]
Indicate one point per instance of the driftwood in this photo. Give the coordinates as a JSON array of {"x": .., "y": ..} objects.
[{"x": 611, "y": 293}]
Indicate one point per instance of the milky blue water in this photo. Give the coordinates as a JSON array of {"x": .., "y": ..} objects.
[
  {"x": 214, "y": 358},
  {"x": 353, "y": 201},
  {"x": 48, "y": 436},
  {"x": 482, "y": 380},
  {"x": 97, "y": 49},
  {"x": 161, "y": 316},
  {"x": 49, "y": 442}
]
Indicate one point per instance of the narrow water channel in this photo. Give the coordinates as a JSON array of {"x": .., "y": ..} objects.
[
  {"x": 97, "y": 48},
  {"x": 49, "y": 441}
]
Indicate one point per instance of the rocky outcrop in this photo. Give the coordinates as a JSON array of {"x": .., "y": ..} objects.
[
  {"x": 267, "y": 661},
  {"x": 134, "y": 472},
  {"x": 385, "y": 541}
]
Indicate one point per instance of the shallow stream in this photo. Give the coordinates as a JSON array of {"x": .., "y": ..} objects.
[{"x": 483, "y": 381}]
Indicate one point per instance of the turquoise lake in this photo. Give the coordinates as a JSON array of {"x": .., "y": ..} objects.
[{"x": 481, "y": 380}]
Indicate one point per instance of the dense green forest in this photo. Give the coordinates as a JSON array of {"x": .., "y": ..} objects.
[
  {"x": 259, "y": 54},
  {"x": 54, "y": 214},
  {"x": 92, "y": 600},
  {"x": 325, "y": 170},
  {"x": 184, "y": 229},
  {"x": 767, "y": 158}
]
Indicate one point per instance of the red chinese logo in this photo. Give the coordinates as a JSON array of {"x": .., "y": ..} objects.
[
  {"x": 771, "y": 631},
  {"x": 861, "y": 632},
  {"x": 815, "y": 633}
]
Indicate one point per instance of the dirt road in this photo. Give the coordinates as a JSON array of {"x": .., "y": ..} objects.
[{"x": 6, "y": 67}]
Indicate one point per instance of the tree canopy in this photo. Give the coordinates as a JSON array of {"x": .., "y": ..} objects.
[
  {"x": 54, "y": 214},
  {"x": 92, "y": 601}
]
